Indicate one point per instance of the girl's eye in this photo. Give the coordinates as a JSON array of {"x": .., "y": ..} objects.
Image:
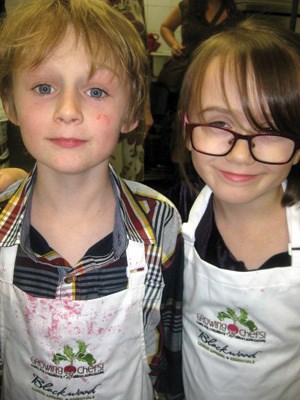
[
  {"x": 267, "y": 130},
  {"x": 218, "y": 124},
  {"x": 44, "y": 89},
  {"x": 96, "y": 93}
]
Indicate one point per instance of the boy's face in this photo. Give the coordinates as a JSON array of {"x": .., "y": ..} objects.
[{"x": 70, "y": 121}]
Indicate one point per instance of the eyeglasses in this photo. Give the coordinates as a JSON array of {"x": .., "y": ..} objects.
[{"x": 265, "y": 147}]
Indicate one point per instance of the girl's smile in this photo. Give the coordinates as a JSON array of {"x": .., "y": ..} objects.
[{"x": 235, "y": 178}]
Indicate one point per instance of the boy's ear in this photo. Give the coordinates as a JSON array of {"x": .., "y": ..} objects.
[
  {"x": 10, "y": 110},
  {"x": 126, "y": 128}
]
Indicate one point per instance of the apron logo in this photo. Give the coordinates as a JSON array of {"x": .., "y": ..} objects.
[
  {"x": 239, "y": 325},
  {"x": 70, "y": 363},
  {"x": 242, "y": 319},
  {"x": 223, "y": 335},
  {"x": 50, "y": 380},
  {"x": 70, "y": 356}
]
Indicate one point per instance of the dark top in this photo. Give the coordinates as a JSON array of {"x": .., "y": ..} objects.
[
  {"x": 211, "y": 247},
  {"x": 196, "y": 28},
  {"x": 2, "y": 6}
]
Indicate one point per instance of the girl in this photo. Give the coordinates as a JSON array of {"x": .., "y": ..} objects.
[{"x": 240, "y": 104}]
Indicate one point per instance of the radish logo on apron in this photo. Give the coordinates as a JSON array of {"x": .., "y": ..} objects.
[
  {"x": 85, "y": 363},
  {"x": 239, "y": 327},
  {"x": 78, "y": 364}
]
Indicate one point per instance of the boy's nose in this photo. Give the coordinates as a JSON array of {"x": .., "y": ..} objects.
[{"x": 68, "y": 108}]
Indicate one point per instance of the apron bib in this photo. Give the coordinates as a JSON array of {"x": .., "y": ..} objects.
[
  {"x": 74, "y": 350},
  {"x": 241, "y": 330}
]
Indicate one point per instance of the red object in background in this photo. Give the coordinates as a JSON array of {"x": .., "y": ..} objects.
[{"x": 152, "y": 42}]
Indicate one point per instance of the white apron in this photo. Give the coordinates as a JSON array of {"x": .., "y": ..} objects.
[
  {"x": 74, "y": 350},
  {"x": 241, "y": 330}
]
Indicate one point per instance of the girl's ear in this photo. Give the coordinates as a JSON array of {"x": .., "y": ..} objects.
[
  {"x": 126, "y": 128},
  {"x": 187, "y": 138},
  {"x": 296, "y": 157},
  {"x": 188, "y": 143}
]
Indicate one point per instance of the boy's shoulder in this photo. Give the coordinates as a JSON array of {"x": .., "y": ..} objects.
[
  {"x": 6, "y": 195},
  {"x": 146, "y": 193},
  {"x": 156, "y": 206}
]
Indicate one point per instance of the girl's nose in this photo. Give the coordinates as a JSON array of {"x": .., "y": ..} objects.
[
  {"x": 68, "y": 107},
  {"x": 240, "y": 153}
]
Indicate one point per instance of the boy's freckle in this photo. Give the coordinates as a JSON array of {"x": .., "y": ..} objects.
[{"x": 102, "y": 117}]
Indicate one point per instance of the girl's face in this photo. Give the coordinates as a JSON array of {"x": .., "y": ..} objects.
[{"x": 235, "y": 178}]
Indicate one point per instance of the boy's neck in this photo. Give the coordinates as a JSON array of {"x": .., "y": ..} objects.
[
  {"x": 73, "y": 192},
  {"x": 73, "y": 213}
]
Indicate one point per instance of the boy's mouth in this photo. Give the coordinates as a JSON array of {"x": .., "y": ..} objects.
[{"x": 68, "y": 143}]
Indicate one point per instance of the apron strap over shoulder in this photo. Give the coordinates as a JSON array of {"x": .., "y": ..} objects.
[
  {"x": 7, "y": 262},
  {"x": 293, "y": 217},
  {"x": 137, "y": 266}
]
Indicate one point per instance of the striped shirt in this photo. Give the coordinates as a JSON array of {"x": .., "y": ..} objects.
[{"x": 142, "y": 215}]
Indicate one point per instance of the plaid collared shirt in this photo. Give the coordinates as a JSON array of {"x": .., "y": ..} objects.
[{"x": 142, "y": 215}]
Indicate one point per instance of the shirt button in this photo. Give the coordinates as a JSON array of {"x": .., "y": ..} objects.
[{"x": 68, "y": 281}]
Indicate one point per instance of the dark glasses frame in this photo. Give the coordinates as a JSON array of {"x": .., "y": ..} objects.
[{"x": 189, "y": 127}]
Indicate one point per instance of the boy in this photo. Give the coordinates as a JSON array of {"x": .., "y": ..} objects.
[{"x": 90, "y": 265}]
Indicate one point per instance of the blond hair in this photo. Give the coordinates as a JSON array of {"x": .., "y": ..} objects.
[{"x": 34, "y": 29}]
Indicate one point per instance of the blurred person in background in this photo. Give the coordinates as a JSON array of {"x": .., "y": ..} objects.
[
  {"x": 128, "y": 157},
  {"x": 2, "y": 6},
  {"x": 198, "y": 19}
]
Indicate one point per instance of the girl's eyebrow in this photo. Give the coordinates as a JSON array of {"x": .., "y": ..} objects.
[{"x": 214, "y": 108}]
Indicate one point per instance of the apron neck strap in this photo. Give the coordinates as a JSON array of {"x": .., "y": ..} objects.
[{"x": 294, "y": 232}]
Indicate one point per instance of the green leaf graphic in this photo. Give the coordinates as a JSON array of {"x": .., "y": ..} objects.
[
  {"x": 242, "y": 318},
  {"x": 88, "y": 358},
  {"x": 70, "y": 356},
  {"x": 58, "y": 358},
  {"x": 68, "y": 351}
]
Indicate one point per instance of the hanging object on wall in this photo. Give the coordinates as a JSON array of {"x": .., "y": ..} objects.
[{"x": 294, "y": 14}]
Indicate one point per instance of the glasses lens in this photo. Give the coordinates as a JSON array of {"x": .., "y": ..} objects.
[
  {"x": 264, "y": 147},
  {"x": 211, "y": 140},
  {"x": 272, "y": 149}
]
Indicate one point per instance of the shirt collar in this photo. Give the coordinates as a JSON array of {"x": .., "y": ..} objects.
[
  {"x": 130, "y": 220},
  {"x": 133, "y": 215},
  {"x": 12, "y": 214}
]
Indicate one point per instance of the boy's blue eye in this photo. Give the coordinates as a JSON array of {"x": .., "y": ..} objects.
[
  {"x": 44, "y": 89},
  {"x": 96, "y": 93}
]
